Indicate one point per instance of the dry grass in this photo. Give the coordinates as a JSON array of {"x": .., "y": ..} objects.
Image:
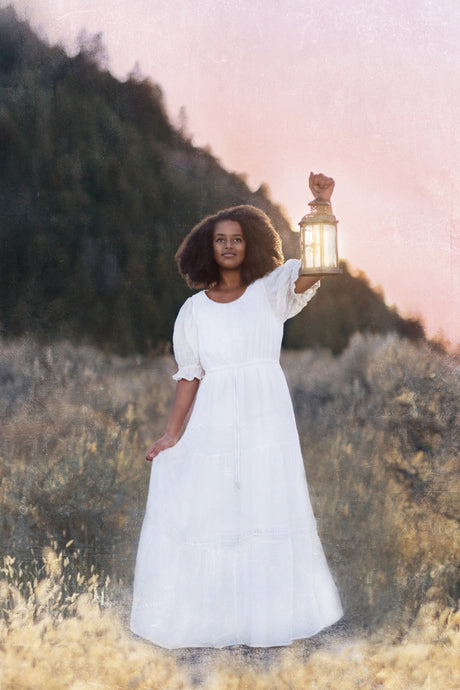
[
  {"x": 379, "y": 427},
  {"x": 50, "y": 641},
  {"x": 53, "y": 639}
]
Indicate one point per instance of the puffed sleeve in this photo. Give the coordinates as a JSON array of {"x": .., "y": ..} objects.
[
  {"x": 280, "y": 284},
  {"x": 185, "y": 344}
]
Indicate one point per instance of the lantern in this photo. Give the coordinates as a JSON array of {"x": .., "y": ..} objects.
[{"x": 318, "y": 240}]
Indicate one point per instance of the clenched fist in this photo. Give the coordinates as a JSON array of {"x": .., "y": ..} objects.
[{"x": 321, "y": 186}]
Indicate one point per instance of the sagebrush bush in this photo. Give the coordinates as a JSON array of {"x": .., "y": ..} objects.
[
  {"x": 74, "y": 428},
  {"x": 379, "y": 431}
]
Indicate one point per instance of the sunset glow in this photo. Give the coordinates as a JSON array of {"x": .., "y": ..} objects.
[{"x": 366, "y": 92}]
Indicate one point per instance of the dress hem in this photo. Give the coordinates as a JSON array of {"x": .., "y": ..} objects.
[{"x": 239, "y": 642}]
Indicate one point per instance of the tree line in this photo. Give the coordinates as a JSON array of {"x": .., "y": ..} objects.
[{"x": 97, "y": 190}]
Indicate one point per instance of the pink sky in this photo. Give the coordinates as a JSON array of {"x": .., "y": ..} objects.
[{"x": 367, "y": 91}]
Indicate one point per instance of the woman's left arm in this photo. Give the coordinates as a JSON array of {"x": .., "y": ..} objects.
[{"x": 304, "y": 282}]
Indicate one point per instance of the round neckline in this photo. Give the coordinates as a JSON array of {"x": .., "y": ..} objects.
[{"x": 231, "y": 301}]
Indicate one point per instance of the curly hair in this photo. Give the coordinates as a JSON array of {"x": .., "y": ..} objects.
[{"x": 195, "y": 256}]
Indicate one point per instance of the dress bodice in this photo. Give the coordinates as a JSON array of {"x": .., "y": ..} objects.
[{"x": 210, "y": 335}]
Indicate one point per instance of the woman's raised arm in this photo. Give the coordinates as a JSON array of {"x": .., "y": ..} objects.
[
  {"x": 183, "y": 400},
  {"x": 304, "y": 282}
]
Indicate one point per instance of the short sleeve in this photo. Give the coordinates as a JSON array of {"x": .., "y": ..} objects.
[
  {"x": 185, "y": 344},
  {"x": 279, "y": 286}
]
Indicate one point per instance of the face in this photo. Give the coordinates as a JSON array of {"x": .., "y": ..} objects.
[{"x": 228, "y": 244}]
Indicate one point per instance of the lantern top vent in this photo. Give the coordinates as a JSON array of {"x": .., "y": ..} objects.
[{"x": 320, "y": 212}]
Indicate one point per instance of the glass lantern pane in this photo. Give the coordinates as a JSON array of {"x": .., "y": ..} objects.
[
  {"x": 307, "y": 246},
  {"x": 308, "y": 234},
  {"x": 330, "y": 247},
  {"x": 317, "y": 246}
]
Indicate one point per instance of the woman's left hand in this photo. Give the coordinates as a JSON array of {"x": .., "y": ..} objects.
[{"x": 321, "y": 186}]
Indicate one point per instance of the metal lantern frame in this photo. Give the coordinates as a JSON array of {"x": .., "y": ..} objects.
[{"x": 318, "y": 240}]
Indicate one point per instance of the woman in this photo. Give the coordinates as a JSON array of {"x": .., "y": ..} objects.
[{"x": 229, "y": 552}]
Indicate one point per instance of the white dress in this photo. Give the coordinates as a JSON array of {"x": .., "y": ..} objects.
[{"x": 229, "y": 552}]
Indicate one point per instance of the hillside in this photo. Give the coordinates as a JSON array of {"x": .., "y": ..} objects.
[{"x": 97, "y": 190}]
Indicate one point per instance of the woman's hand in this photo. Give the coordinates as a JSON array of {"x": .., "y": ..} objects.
[
  {"x": 164, "y": 442},
  {"x": 321, "y": 186},
  {"x": 183, "y": 400}
]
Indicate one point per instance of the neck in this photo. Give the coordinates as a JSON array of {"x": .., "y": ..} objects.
[{"x": 230, "y": 279}]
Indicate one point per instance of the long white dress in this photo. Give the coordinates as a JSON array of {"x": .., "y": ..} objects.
[{"x": 229, "y": 552}]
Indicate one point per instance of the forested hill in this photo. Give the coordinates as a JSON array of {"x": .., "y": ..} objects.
[{"x": 97, "y": 189}]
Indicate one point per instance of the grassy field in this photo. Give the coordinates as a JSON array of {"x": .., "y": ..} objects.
[{"x": 379, "y": 429}]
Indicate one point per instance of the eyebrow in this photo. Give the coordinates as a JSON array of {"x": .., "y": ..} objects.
[{"x": 235, "y": 234}]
